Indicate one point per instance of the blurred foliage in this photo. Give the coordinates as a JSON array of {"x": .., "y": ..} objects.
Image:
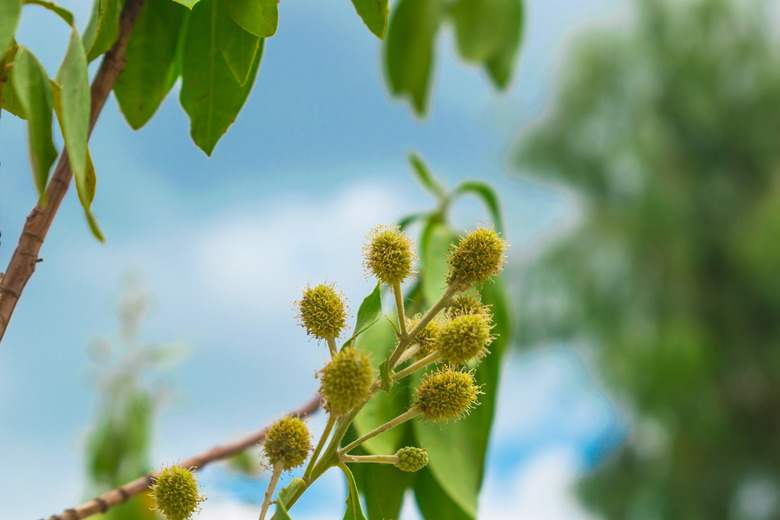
[
  {"x": 118, "y": 447},
  {"x": 669, "y": 136}
]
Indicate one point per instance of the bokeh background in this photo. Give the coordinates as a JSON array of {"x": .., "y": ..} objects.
[{"x": 636, "y": 156}]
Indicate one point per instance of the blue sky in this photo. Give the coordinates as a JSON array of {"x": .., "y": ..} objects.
[{"x": 316, "y": 158}]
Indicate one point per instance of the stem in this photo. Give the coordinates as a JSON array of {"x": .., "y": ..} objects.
[
  {"x": 379, "y": 459},
  {"x": 320, "y": 444},
  {"x": 332, "y": 346},
  {"x": 399, "y": 303},
  {"x": 269, "y": 493},
  {"x": 408, "y": 354},
  {"x": 409, "y": 414},
  {"x": 414, "y": 367}
]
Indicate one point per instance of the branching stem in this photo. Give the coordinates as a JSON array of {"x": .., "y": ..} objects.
[
  {"x": 380, "y": 459},
  {"x": 325, "y": 433},
  {"x": 417, "y": 365},
  {"x": 409, "y": 414}
]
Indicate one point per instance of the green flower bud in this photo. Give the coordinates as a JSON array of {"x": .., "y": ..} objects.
[
  {"x": 446, "y": 394},
  {"x": 287, "y": 442},
  {"x": 464, "y": 304},
  {"x": 346, "y": 381},
  {"x": 426, "y": 338},
  {"x": 479, "y": 256},
  {"x": 411, "y": 459},
  {"x": 322, "y": 311},
  {"x": 175, "y": 493},
  {"x": 389, "y": 254},
  {"x": 464, "y": 338}
]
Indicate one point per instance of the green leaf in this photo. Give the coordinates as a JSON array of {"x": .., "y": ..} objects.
[
  {"x": 210, "y": 94},
  {"x": 354, "y": 511},
  {"x": 384, "y": 374},
  {"x": 374, "y": 15},
  {"x": 189, "y": 4},
  {"x": 369, "y": 313},
  {"x": 238, "y": 47},
  {"x": 10, "y": 12},
  {"x": 434, "y": 502},
  {"x": 150, "y": 69},
  {"x": 284, "y": 496},
  {"x": 434, "y": 245},
  {"x": 409, "y": 50},
  {"x": 73, "y": 102},
  {"x": 11, "y": 101},
  {"x": 382, "y": 487},
  {"x": 502, "y": 63},
  {"x": 103, "y": 27},
  {"x": 410, "y": 219},
  {"x": 489, "y": 197},
  {"x": 54, "y": 8},
  {"x": 425, "y": 177},
  {"x": 32, "y": 86},
  {"x": 258, "y": 17}
]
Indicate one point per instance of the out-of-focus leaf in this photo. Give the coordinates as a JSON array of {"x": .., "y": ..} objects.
[
  {"x": 383, "y": 487},
  {"x": 210, "y": 94},
  {"x": 11, "y": 101},
  {"x": 10, "y": 11},
  {"x": 411, "y": 219},
  {"x": 244, "y": 463},
  {"x": 258, "y": 17},
  {"x": 103, "y": 27},
  {"x": 150, "y": 69},
  {"x": 238, "y": 46},
  {"x": 501, "y": 65},
  {"x": 425, "y": 177},
  {"x": 433, "y": 501},
  {"x": 33, "y": 89},
  {"x": 54, "y": 8},
  {"x": 369, "y": 312},
  {"x": 354, "y": 511},
  {"x": 189, "y": 4},
  {"x": 488, "y": 196},
  {"x": 374, "y": 15},
  {"x": 409, "y": 50},
  {"x": 434, "y": 244}
]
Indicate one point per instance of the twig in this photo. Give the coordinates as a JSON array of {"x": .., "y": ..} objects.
[
  {"x": 22, "y": 264},
  {"x": 122, "y": 494},
  {"x": 269, "y": 493}
]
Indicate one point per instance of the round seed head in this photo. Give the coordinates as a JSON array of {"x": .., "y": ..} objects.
[
  {"x": 479, "y": 256},
  {"x": 464, "y": 338},
  {"x": 322, "y": 311},
  {"x": 446, "y": 394},
  {"x": 175, "y": 493},
  {"x": 463, "y": 304},
  {"x": 411, "y": 459},
  {"x": 389, "y": 254},
  {"x": 287, "y": 442},
  {"x": 346, "y": 381},
  {"x": 426, "y": 338}
]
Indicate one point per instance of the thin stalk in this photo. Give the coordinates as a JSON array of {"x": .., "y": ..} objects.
[
  {"x": 379, "y": 459},
  {"x": 269, "y": 493},
  {"x": 325, "y": 433},
  {"x": 399, "y": 303},
  {"x": 332, "y": 345},
  {"x": 414, "y": 367},
  {"x": 409, "y": 414},
  {"x": 409, "y": 353}
]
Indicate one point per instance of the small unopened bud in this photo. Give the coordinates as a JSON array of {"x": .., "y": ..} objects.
[
  {"x": 463, "y": 304},
  {"x": 479, "y": 256},
  {"x": 389, "y": 254},
  {"x": 175, "y": 493},
  {"x": 322, "y": 311},
  {"x": 446, "y": 394},
  {"x": 287, "y": 442},
  {"x": 346, "y": 381},
  {"x": 426, "y": 338},
  {"x": 463, "y": 338},
  {"x": 411, "y": 459}
]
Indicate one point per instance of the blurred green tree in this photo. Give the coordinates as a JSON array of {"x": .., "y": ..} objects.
[{"x": 669, "y": 135}]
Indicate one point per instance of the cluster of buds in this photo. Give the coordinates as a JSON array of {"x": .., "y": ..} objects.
[{"x": 175, "y": 493}]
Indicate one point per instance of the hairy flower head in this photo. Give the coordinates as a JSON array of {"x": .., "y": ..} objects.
[
  {"x": 175, "y": 493},
  {"x": 346, "y": 381},
  {"x": 465, "y": 303},
  {"x": 426, "y": 338},
  {"x": 478, "y": 256},
  {"x": 322, "y": 311},
  {"x": 463, "y": 338},
  {"x": 389, "y": 254},
  {"x": 446, "y": 394},
  {"x": 411, "y": 459},
  {"x": 287, "y": 442}
]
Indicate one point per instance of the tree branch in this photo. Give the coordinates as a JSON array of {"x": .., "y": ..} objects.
[
  {"x": 22, "y": 264},
  {"x": 122, "y": 494}
]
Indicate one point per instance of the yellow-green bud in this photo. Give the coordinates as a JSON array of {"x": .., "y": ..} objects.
[
  {"x": 426, "y": 338},
  {"x": 479, "y": 256},
  {"x": 389, "y": 254},
  {"x": 346, "y": 381},
  {"x": 463, "y": 338},
  {"x": 446, "y": 394},
  {"x": 175, "y": 493},
  {"x": 287, "y": 442},
  {"x": 322, "y": 311},
  {"x": 411, "y": 459},
  {"x": 463, "y": 304}
]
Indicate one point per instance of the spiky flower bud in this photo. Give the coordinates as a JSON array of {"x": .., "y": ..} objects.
[
  {"x": 446, "y": 394},
  {"x": 175, "y": 493},
  {"x": 322, "y": 311},
  {"x": 479, "y": 256},
  {"x": 463, "y": 338},
  {"x": 411, "y": 459},
  {"x": 389, "y": 254},
  {"x": 287, "y": 442},
  {"x": 463, "y": 304},
  {"x": 426, "y": 338},
  {"x": 346, "y": 381}
]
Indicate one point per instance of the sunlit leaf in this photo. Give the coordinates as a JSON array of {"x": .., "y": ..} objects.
[
  {"x": 54, "y": 8},
  {"x": 10, "y": 11},
  {"x": 374, "y": 15},
  {"x": 354, "y": 511},
  {"x": 369, "y": 312},
  {"x": 187, "y": 3},
  {"x": 257, "y": 17},
  {"x": 238, "y": 46},
  {"x": 103, "y": 27}
]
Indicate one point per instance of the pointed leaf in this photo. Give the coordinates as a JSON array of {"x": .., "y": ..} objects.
[
  {"x": 501, "y": 65},
  {"x": 102, "y": 29},
  {"x": 210, "y": 94},
  {"x": 258, "y": 17},
  {"x": 31, "y": 84},
  {"x": 54, "y": 8},
  {"x": 11, "y": 101},
  {"x": 368, "y": 313},
  {"x": 425, "y": 177},
  {"x": 488, "y": 196},
  {"x": 238, "y": 47},
  {"x": 284, "y": 496},
  {"x": 10, "y": 11},
  {"x": 374, "y": 15},
  {"x": 150, "y": 68},
  {"x": 354, "y": 511},
  {"x": 189, "y": 4}
]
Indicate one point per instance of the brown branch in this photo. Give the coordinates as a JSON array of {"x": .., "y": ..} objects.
[
  {"x": 22, "y": 264},
  {"x": 122, "y": 494}
]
